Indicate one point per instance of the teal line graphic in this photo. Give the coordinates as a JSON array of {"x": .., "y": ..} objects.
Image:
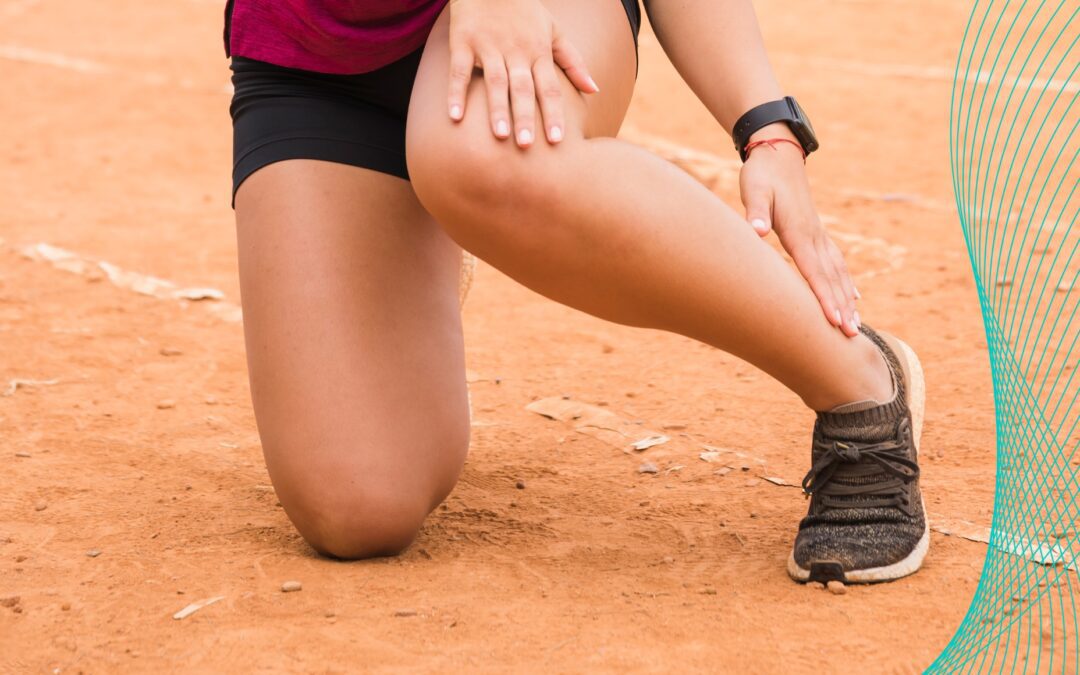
[{"x": 1014, "y": 147}]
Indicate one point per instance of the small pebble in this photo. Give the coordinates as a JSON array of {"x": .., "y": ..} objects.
[
  {"x": 210, "y": 400},
  {"x": 166, "y": 404},
  {"x": 93, "y": 553},
  {"x": 170, "y": 351},
  {"x": 837, "y": 587},
  {"x": 648, "y": 467},
  {"x": 22, "y": 454},
  {"x": 520, "y": 485},
  {"x": 816, "y": 585},
  {"x": 66, "y": 607},
  {"x": 9, "y": 601},
  {"x": 291, "y": 586},
  {"x": 40, "y": 506},
  {"x": 668, "y": 560},
  {"x": 405, "y": 612},
  {"x": 20, "y": 558},
  {"x": 708, "y": 591},
  {"x": 329, "y": 614}
]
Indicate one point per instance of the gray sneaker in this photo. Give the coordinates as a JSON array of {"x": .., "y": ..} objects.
[{"x": 867, "y": 522}]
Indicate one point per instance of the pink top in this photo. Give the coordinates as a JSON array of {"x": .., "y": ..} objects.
[{"x": 329, "y": 36}]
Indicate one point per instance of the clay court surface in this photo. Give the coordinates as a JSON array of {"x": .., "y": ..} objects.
[{"x": 126, "y": 427}]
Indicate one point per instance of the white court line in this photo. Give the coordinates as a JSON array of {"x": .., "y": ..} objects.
[
  {"x": 937, "y": 73},
  {"x": 37, "y": 56},
  {"x": 142, "y": 284},
  {"x": 12, "y": 52}
]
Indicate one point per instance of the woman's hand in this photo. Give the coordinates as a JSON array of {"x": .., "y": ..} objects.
[
  {"x": 776, "y": 194},
  {"x": 517, "y": 45}
]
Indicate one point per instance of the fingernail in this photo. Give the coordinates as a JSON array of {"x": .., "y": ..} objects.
[
  {"x": 593, "y": 84},
  {"x": 502, "y": 129},
  {"x": 455, "y": 112},
  {"x": 858, "y": 295},
  {"x": 858, "y": 321},
  {"x": 524, "y": 137},
  {"x": 555, "y": 134},
  {"x": 759, "y": 225},
  {"x": 837, "y": 318}
]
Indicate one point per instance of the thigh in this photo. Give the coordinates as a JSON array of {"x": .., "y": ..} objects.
[
  {"x": 353, "y": 332},
  {"x": 600, "y": 31}
]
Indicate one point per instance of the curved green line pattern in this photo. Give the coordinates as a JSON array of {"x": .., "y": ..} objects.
[{"x": 1014, "y": 147}]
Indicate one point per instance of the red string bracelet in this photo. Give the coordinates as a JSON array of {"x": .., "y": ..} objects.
[{"x": 771, "y": 142}]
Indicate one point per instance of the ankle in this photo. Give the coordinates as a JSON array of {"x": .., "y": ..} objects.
[{"x": 870, "y": 379}]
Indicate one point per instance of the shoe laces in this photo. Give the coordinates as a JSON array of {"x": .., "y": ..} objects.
[{"x": 852, "y": 474}]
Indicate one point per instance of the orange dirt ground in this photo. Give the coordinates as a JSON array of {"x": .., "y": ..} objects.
[{"x": 115, "y": 145}]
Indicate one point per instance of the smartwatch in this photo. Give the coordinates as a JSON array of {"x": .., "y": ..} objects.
[{"x": 785, "y": 110}]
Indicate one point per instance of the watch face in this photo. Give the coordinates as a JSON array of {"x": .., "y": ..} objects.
[
  {"x": 799, "y": 114},
  {"x": 801, "y": 126}
]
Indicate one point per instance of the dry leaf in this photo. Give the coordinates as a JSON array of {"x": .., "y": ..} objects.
[
  {"x": 196, "y": 606},
  {"x": 15, "y": 385},
  {"x": 198, "y": 294},
  {"x": 597, "y": 422},
  {"x": 646, "y": 443},
  {"x": 780, "y": 481}
]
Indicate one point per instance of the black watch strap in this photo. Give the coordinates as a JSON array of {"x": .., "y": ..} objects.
[{"x": 784, "y": 110}]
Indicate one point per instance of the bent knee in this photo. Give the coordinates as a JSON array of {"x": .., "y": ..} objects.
[
  {"x": 457, "y": 169},
  {"x": 366, "y": 523}
]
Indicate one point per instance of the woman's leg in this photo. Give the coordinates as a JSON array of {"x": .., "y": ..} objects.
[
  {"x": 608, "y": 228},
  {"x": 354, "y": 346}
]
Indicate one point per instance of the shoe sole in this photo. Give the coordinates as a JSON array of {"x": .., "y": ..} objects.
[{"x": 916, "y": 399}]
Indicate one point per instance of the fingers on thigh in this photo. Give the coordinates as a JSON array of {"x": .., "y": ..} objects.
[{"x": 600, "y": 32}]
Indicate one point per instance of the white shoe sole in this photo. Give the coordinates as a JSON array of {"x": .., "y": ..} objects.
[{"x": 916, "y": 399}]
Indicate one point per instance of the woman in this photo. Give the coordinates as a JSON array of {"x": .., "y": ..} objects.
[{"x": 373, "y": 139}]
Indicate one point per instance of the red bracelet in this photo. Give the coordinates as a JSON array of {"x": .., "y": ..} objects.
[{"x": 771, "y": 142}]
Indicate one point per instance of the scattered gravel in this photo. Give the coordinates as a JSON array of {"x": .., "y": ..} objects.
[
  {"x": 40, "y": 506},
  {"x": 166, "y": 404},
  {"x": 648, "y": 467},
  {"x": 93, "y": 553},
  {"x": 837, "y": 587},
  {"x": 291, "y": 586}
]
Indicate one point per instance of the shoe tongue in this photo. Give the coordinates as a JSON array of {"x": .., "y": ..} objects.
[{"x": 863, "y": 424}]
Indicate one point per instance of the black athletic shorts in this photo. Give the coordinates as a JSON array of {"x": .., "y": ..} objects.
[{"x": 283, "y": 113}]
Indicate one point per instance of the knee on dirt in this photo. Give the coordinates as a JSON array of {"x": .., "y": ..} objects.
[{"x": 364, "y": 521}]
